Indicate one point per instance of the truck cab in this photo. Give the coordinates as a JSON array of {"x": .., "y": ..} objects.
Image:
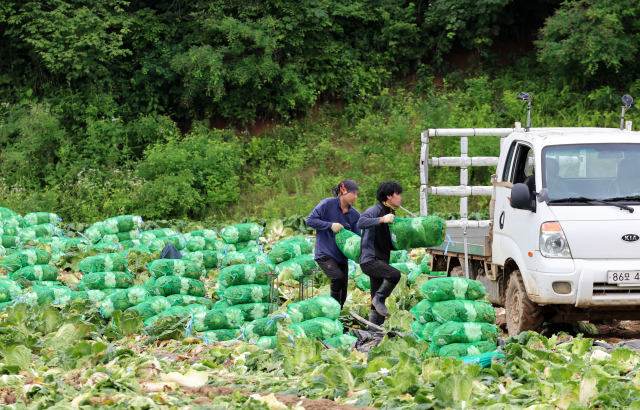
[{"x": 563, "y": 242}]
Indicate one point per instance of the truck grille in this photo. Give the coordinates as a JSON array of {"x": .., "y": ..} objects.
[{"x": 603, "y": 288}]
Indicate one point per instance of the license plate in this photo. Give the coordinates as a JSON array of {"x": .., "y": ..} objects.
[{"x": 623, "y": 277}]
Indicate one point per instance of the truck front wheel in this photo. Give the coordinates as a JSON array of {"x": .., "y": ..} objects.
[{"x": 522, "y": 313}]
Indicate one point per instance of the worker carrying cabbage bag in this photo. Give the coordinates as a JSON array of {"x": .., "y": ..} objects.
[
  {"x": 328, "y": 218},
  {"x": 376, "y": 248}
]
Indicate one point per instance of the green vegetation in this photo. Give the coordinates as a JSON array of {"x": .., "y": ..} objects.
[{"x": 107, "y": 106}]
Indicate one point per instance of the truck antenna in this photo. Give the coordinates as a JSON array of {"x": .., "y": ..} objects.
[
  {"x": 627, "y": 100},
  {"x": 526, "y": 98}
]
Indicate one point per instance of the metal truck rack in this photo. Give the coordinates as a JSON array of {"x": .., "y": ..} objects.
[{"x": 480, "y": 246}]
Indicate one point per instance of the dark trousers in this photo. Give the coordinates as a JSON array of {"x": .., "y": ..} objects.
[
  {"x": 337, "y": 272},
  {"x": 378, "y": 270}
]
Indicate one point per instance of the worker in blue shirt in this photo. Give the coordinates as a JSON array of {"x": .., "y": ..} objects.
[{"x": 328, "y": 218}]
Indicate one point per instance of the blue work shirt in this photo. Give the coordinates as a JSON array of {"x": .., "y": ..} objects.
[{"x": 327, "y": 212}]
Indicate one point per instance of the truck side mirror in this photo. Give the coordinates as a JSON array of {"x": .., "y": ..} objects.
[{"x": 521, "y": 198}]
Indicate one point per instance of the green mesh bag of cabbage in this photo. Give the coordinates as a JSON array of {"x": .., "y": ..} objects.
[
  {"x": 208, "y": 259},
  {"x": 236, "y": 295},
  {"x": 267, "y": 342},
  {"x": 245, "y": 274},
  {"x": 123, "y": 223},
  {"x": 423, "y": 232},
  {"x": 36, "y": 272},
  {"x": 175, "y": 285},
  {"x": 253, "y": 311},
  {"x": 148, "y": 236},
  {"x": 421, "y": 269},
  {"x": 404, "y": 267},
  {"x": 96, "y": 296},
  {"x": 30, "y": 233},
  {"x": 349, "y": 244},
  {"x": 9, "y": 292},
  {"x": 174, "y": 267},
  {"x": 229, "y": 318},
  {"x": 189, "y": 300},
  {"x": 61, "y": 245},
  {"x": 6, "y": 212},
  {"x": 199, "y": 243},
  {"x": 439, "y": 289},
  {"x": 236, "y": 258},
  {"x": 341, "y": 341},
  {"x": 28, "y": 257},
  {"x": 416, "y": 329},
  {"x": 9, "y": 241},
  {"x": 46, "y": 283},
  {"x": 37, "y": 218},
  {"x": 457, "y": 332},
  {"x": 288, "y": 250},
  {"x": 458, "y": 350},
  {"x": 15, "y": 220},
  {"x": 123, "y": 300},
  {"x": 428, "y": 329},
  {"x": 158, "y": 244},
  {"x": 320, "y": 306},
  {"x": 54, "y": 294},
  {"x": 298, "y": 266},
  {"x": 222, "y": 304},
  {"x": 398, "y": 257},
  {"x": 205, "y": 233},
  {"x": 267, "y": 326},
  {"x": 122, "y": 236},
  {"x": 103, "y": 247},
  {"x": 422, "y": 311},
  {"x": 105, "y": 280},
  {"x": 95, "y": 232},
  {"x": 321, "y": 327},
  {"x": 9, "y": 230},
  {"x": 151, "y": 307},
  {"x": 220, "y": 335},
  {"x": 463, "y": 311},
  {"x": 355, "y": 272},
  {"x": 181, "y": 311},
  {"x": 240, "y": 233},
  {"x": 131, "y": 244},
  {"x": 103, "y": 263}
]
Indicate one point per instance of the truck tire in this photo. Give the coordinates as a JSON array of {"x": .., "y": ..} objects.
[
  {"x": 457, "y": 272},
  {"x": 522, "y": 313}
]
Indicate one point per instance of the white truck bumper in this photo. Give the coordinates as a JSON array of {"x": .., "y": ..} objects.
[{"x": 588, "y": 285}]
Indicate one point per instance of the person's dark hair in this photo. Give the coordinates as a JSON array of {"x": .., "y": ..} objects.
[
  {"x": 386, "y": 189},
  {"x": 345, "y": 187}
]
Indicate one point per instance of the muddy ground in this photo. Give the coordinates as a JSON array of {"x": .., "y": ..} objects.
[{"x": 625, "y": 331}]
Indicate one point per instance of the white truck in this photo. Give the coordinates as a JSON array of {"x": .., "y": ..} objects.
[{"x": 562, "y": 243}]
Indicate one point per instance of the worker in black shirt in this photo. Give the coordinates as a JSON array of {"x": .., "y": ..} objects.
[{"x": 376, "y": 248}]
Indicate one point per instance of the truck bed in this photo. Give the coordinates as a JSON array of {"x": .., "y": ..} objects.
[{"x": 475, "y": 241}]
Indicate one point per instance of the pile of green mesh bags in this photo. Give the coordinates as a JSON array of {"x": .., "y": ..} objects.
[
  {"x": 247, "y": 288},
  {"x": 423, "y": 232},
  {"x": 316, "y": 318},
  {"x": 452, "y": 320},
  {"x": 116, "y": 234},
  {"x": 289, "y": 249}
]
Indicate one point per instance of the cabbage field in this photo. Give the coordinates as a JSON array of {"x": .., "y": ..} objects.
[{"x": 93, "y": 317}]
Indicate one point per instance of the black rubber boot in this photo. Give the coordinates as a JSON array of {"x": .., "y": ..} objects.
[
  {"x": 343, "y": 297},
  {"x": 376, "y": 318},
  {"x": 337, "y": 296},
  {"x": 381, "y": 295}
]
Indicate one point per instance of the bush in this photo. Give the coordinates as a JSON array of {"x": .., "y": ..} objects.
[{"x": 189, "y": 176}]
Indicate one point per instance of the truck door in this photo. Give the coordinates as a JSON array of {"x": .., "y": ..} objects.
[{"x": 514, "y": 229}]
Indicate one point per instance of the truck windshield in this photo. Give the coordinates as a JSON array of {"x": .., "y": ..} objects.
[{"x": 598, "y": 171}]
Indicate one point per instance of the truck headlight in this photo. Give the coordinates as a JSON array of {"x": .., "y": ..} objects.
[{"x": 553, "y": 243}]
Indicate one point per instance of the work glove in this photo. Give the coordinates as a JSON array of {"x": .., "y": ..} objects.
[
  {"x": 388, "y": 218},
  {"x": 336, "y": 227}
]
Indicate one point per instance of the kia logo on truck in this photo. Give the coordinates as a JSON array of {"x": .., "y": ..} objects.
[{"x": 630, "y": 237}]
